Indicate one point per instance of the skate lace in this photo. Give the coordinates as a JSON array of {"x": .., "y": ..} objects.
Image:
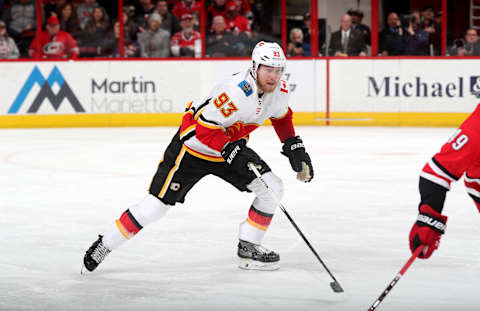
[
  {"x": 100, "y": 253},
  {"x": 262, "y": 249}
]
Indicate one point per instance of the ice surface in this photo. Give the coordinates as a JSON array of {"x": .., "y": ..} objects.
[{"x": 59, "y": 188}]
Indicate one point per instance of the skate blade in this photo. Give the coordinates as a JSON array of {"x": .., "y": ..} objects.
[{"x": 249, "y": 264}]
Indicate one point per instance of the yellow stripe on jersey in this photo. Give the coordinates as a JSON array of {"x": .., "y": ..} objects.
[
  {"x": 187, "y": 130},
  {"x": 122, "y": 230},
  {"x": 172, "y": 171},
  {"x": 197, "y": 115},
  {"x": 254, "y": 224},
  {"x": 210, "y": 126},
  {"x": 204, "y": 156}
]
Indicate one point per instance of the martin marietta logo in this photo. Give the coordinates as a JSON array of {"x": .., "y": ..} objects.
[{"x": 46, "y": 92}]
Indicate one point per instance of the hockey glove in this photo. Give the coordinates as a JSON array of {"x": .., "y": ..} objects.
[
  {"x": 427, "y": 230},
  {"x": 294, "y": 149},
  {"x": 238, "y": 155}
]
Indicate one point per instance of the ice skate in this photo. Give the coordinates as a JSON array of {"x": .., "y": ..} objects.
[
  {"x": 256, "y": 257},
  {"x": 94, "y": 256}
]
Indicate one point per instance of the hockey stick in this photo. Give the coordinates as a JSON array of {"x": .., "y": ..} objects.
[
  {"x": 396, "y": 279},
  {"x": 334, "y": 285}
]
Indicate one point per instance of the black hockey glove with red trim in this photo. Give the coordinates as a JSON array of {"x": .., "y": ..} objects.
[
  {"x": 294, "y": 149},
  {"x": 427, "y": 231},
  {"x": 238, "y": 155}
]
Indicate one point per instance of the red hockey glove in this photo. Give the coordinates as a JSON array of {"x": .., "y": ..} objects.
[{"x": 427, "y": 230}]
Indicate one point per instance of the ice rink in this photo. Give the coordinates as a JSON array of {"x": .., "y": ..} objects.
[{"x": 60, "y": 188}]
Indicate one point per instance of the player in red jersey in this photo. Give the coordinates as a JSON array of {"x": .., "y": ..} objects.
[
  {"x": 460, "y": 155},
  {"x": 54, "y": 43}
]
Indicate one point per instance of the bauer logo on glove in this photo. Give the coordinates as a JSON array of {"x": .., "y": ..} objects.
[{"x": 294, "y": 149}]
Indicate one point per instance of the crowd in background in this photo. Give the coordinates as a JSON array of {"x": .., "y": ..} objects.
[{"x": 171, "y": 28}]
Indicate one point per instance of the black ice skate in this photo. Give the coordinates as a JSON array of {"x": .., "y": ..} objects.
[
  {"x": 256, "y": 257},
  {"x": 94, "y": 255}
]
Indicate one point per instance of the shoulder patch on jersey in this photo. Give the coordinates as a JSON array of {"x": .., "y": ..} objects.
[{"x": 246, "y": 88}]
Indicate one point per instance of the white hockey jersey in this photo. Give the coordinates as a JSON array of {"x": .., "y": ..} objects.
[{"x": 231, "y": 111}]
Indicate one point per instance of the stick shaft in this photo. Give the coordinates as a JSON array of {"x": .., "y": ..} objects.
[
  {"x": 396, "y": 278},
  {"x": 259, "y": 176}
]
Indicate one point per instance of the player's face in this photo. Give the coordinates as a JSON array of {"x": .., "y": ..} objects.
[{"x": 268, "y": 78}]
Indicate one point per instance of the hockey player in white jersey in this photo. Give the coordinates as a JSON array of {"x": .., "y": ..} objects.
[{"x": 212, "y": 139}]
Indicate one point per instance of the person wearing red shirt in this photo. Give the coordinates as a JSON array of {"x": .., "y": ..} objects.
[
  {"x": 53, "y": 42},
  {"x": 183, "y": 42},
  {"x": 236, "y": 23},
  {"x": 185, "y": 7}
]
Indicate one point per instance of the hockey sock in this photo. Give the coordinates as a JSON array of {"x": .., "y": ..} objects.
[
  {"x": 133, "y": 220},
  {"x": 255, "y": 226}
]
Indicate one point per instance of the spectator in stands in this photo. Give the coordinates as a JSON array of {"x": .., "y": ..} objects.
[
  {"x": 8, "y": 48},
  {"x": 217, "y": 7},
  {"x": 68, "y": 21},
  {"x": 20, "y": 18},
  {"x": 357, "y": 17},
  {"x": 154, "y": 41},
  {"x": 185, "y": 7},
  {"x": 196, "y": 21},
  {"x": 84, "y": 11},
  {"x": 239, "y": 26},
  {"x": 242, "y": 7},
  {"x": 130, "y": 29},
  {"x": 392, "y": 38},
  {"x": 130, "y": 48},
  {"x": 468, "y": 47},
  {"x": 220, "y": 43},
  {"x": 416, "y": 38},
  {"x": 94, "y": 35},
  {"x": 169, "y": 21},
  {"x": 296, "y": 46},
  {"x": 434, "y": 29},
  {"x": 143, "y": 12},
  {"x": 53, "y": 7},
  {"x": 347, "y": 41},
  {"x": 306, "y": 30},
  {"x": 53, "y": 42},
  {"x": 187, "y": 42}
]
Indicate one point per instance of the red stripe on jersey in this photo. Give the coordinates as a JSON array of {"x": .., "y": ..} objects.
[
  {"x": 239, "y": 130},
  {"x": 212, "y": 137},
  {"x": 129, "y": 224},
  {"x": 256, "y": 217}
]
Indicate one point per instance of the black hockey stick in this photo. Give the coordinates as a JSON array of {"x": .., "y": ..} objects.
[
  {"x": 334, "y": 285},
  {"x": 396, "y": 278}
]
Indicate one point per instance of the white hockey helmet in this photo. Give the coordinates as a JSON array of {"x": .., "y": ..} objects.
[{"x": 268, "y": 54}]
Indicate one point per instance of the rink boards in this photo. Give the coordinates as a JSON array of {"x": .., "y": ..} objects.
[{"x": 387, "y": 92}]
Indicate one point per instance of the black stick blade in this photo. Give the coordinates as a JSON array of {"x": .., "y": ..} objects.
[{"x": 336, "y": 287}]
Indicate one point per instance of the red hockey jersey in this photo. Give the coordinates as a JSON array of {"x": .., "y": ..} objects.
[
  {"x": 460, "y": 155},
  {"x": 179, "y": 39},
  {"x": 60, "y": 46}
]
